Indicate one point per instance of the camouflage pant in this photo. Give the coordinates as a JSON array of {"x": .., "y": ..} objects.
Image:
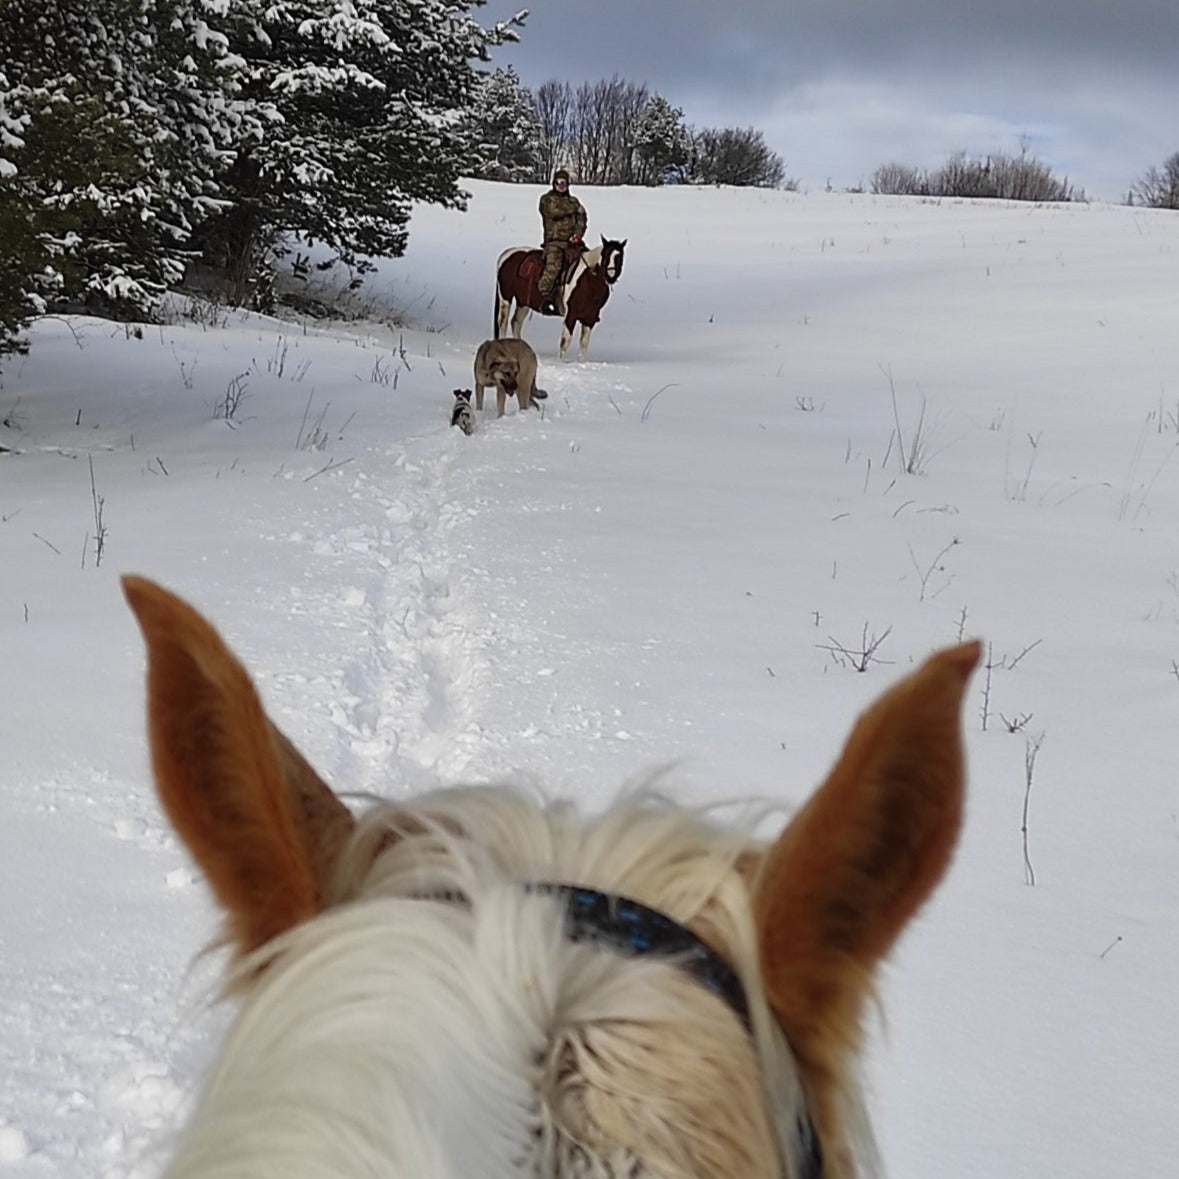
[{"x": 554, "y": 259}]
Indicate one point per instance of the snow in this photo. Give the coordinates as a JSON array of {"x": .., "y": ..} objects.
[{"x": 656, "y": 576}]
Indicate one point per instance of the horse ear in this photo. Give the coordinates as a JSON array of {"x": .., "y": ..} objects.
[
  {"x": 261, "y": 824},
  {"x": 603, "y": 237},
  {"x": 858, "y": 860},
  {"x": 622, "y": 244}
]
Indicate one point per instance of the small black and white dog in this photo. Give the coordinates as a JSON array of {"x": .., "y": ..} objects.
[{"x": 462, "y": 415}]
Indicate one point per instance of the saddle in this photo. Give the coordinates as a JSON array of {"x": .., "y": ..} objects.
[{"x": 533, "y": 264}]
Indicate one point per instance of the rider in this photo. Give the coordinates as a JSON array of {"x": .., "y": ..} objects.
[{"x": 564, "y": 224}]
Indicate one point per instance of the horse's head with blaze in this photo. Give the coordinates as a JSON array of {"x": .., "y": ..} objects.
[
  {"x": 613, "y": 253},
  {"x": 478, "y": 982}
]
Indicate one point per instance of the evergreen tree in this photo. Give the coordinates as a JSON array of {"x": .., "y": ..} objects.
[
  {"x": 505, "y": 133},
  {"x": 662, "y": 145},
  {"x": 20, "y": 256},
  {"x": 125, "y": 115},
  {"x": 373, "y": 100}
]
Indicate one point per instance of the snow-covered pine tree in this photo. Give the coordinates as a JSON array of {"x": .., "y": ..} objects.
[
  {"x": 21, "y": 256},
  {"x": 373, "y": 98},
  {"x": 662, "y": 145},
  {"x": 120, "y": 115},
  {"x": 505, "y": 133}
]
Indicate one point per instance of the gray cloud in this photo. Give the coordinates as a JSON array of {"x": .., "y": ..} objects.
[{"x": 840, "y": 86}]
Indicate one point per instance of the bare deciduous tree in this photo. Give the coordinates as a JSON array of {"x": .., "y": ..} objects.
[
  {"x": 553, "y": 105},
  {"x": 1158, "y": 188},
  {"x": 737, "y": 155},
  {"x": 604, "y": 117}
]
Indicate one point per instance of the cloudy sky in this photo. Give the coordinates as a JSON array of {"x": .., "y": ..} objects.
[{"x": 841, "y": 86}]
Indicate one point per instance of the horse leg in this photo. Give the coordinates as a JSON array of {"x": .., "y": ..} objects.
[
  {"x": 566, "y": 336},
  {"x": 518, "y": 319},
  {"x": 585, "y": 335},
  {"x": 503, "y": 308}
]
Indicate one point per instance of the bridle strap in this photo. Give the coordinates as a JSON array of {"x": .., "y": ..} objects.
[{"x": 635, "y": 930}]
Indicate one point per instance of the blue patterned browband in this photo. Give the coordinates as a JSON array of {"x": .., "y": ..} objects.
[{"x": 634, "y": 930}]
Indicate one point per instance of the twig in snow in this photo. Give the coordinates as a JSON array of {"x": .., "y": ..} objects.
[
  {"x": 651, "y": 401},
  {"x": 1030, "y": 753},
  {"x": 934, "y": 566},
  {"x": 98, "y": 502},
  {"x": 324, "y": 469},
  {"x": 861, "y": 658},
  {"x": 988, "y": 667}
]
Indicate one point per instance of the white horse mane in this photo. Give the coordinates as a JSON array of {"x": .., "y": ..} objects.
[
  {"x": 438, "y": 1024},
  {"x": 591, "y": 258}
]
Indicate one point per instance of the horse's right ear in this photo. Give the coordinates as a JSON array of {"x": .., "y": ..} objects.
[
  {"x": 261, "y": 824},
  {"x": 856, "y": 863}
]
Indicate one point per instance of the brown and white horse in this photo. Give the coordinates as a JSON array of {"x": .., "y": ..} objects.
[
  {"x": 586, "y": 290},
  {"x": 478, "y": 982}
]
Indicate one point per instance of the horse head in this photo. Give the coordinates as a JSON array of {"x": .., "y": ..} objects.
[
  {"x": 478, "y": 981},
  {"x": 610, "y": 266}
]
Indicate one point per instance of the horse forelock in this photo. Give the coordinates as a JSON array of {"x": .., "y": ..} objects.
[{"x": 435, "y": 1021}]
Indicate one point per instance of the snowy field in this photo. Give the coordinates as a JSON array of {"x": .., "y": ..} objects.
[{"x": 678, "y": 567}]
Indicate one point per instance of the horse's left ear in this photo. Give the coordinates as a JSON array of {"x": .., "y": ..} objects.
[
  {"x": 603, "y": 237},
  {"x": 262, "y": 825},
  {"x": 858, "y": 860},
  {"x": 622, "y": 244}
]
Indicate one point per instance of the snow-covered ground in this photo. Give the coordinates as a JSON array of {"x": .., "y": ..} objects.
[{"x": 678, "y": 563}]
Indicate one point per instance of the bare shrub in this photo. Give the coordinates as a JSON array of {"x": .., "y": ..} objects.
[
  {"x": 738, "y": 156},
  {"x": 856, "y": 656},
  {"x": 894, "y": 179},
  {"x": 1158, "y": 188},
  {"x": 1001, "y": 176}
]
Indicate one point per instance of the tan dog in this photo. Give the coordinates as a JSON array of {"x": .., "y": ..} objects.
[{"x": 509, "y": 365}]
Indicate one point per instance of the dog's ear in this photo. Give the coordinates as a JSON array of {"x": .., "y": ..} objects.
[
  {"x": 858, "y": 860},
  {"x": 261, "y": 824}
]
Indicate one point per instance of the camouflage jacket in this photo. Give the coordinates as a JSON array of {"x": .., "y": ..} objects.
[{"x": 562, "y": 214}]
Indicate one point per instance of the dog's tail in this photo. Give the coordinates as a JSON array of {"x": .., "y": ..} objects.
[
  {"x": 539, "y": 394},
  {"x": 495, "y": 309}
]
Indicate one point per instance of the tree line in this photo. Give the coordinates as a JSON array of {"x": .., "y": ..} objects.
[
  {"x": 609, "y": 132},
  {"x": 146, "y": 143}
]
